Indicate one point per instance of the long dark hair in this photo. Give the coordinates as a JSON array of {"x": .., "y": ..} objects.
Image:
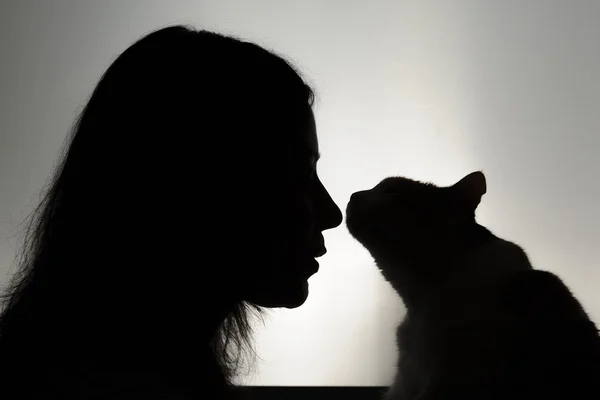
[{"x": 118, "y": 242}]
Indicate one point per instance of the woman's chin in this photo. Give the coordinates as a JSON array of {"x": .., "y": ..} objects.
[
  {"x": 290, "y": 295},
  {"x": 295, "y": 298}
]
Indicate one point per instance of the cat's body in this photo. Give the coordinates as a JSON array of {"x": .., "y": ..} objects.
[
  {"x": 481, "y": 323},
  {"x": 445, "y": 337}
]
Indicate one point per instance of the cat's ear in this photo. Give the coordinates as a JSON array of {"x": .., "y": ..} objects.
[{"x": 471, "y": 188}]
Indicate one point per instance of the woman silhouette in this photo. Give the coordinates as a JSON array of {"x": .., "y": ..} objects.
[{"x": 186, "y": 198}]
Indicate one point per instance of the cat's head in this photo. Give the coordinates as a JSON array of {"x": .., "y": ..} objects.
[{"x": 415, "y": 224}]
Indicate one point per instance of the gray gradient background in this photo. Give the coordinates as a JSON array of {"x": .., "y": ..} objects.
[{"x": 428, "y": 89}]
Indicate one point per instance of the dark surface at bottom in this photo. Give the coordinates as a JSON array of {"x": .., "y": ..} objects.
[{"x": 312, "y": 392}]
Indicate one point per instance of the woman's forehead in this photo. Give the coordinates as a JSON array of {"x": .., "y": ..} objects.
[
  {"x": 311, "y": 137},
  {"x": 300, "y": 144}
]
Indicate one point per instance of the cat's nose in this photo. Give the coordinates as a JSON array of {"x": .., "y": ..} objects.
[{"x": 357, "y": 195}]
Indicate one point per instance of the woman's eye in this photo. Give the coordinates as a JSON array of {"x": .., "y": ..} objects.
[
  {"x": 310, "y": 174},
  {"x": 306, "y": 177}
]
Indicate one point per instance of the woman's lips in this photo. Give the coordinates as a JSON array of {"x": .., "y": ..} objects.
[
  {"x": 315, "y": 267},
  {"x": 320, "y": 252}
]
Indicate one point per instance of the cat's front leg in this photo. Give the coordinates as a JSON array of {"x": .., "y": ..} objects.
[
  {"x": 394, "y": 393},
  {"x": 399, "y": 392}
]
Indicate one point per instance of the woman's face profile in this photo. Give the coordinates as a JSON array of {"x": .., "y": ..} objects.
[{"x": 305, "y": 210}]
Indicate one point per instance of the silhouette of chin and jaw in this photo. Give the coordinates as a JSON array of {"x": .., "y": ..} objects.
[{"x": 290, "y": 296}]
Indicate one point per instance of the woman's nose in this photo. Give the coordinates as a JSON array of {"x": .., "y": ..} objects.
[
  {"x": 330, "y": 213},
  {"x": 335, "y": 215}
]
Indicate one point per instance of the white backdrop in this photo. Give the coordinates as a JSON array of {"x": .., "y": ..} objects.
[{"x": 428, "y": 89}]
